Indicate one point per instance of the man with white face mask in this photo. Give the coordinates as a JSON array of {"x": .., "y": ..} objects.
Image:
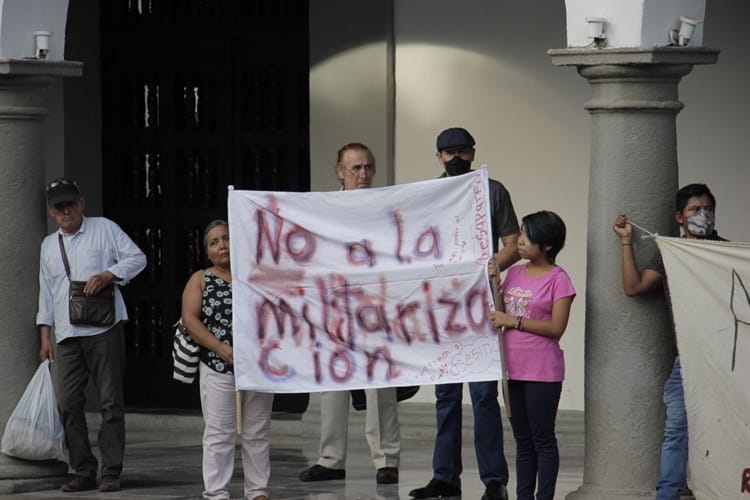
[{"x": 695, "y": 213}]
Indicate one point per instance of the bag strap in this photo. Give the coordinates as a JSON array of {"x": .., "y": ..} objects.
[{"x": 64, "y": 255}]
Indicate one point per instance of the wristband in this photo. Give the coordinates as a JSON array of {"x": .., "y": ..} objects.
[{"x": 518, "y": 321}]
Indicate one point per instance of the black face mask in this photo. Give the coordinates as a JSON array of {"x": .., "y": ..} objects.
[{"x": 457, "y": 166}]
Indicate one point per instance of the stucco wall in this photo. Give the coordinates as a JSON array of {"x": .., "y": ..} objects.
[
  {"x": 351, "y": 87},
  {"x": 487, "y": 70},
  {"x": 482, "y": 64}
]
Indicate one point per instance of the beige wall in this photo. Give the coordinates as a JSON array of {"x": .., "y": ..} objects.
[
  {"x": 351, "y": 87},
  {"x": 482, "y": 64},
  {"x": 487, "y": 70},
  {"x": 713, "y": 137}
]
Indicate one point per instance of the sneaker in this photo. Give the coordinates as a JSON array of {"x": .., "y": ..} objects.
[
  {"x": 495, "y": 491},
  {"x": 387, "y": 475},
  {"x": 79, "y": 483},
  {"x": 109, "y": 483},
  {"x": 320, "y": 473},
  {"x": 436, "y": 489}
]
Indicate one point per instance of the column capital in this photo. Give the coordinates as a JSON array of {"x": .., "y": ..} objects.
[
  {"x": 36, "y": 67},
  {"x": 22, "y": 83},
  {"x": 634, "y": 78},
  {"x": 633, "y": 56}
]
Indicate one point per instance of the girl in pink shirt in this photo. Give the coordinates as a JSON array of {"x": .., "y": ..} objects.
[{"x": 537, "y": 297}]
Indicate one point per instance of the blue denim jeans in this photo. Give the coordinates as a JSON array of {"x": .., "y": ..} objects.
[
  {"x": 674, "y": 448},
  {"x": 488, "y": 433}
]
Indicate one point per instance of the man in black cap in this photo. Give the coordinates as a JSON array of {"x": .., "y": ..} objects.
[
  {"x": 455, "y": 152},
  {"x": 99, "y": 253}
]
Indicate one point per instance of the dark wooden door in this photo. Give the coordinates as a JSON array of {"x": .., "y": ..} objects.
[{"x": 197, "y": 95}]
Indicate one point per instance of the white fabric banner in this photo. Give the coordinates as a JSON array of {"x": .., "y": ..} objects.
[
  {"x": 363, "y": 289},
  {"x": 709, "y": 284}
]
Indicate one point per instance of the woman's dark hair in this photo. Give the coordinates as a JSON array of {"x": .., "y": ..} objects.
[
  {"x": 210, "y": 226},
  {"x": 545, "y": 229},
  {"x": 692, "y": 191}
]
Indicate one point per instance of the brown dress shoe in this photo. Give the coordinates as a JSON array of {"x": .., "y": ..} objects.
[
  {"x": 79, "y": 483},
  {"x": 109, "y": 483}
]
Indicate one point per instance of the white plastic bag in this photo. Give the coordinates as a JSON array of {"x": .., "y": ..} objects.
[{"x": 34, "y": 430}]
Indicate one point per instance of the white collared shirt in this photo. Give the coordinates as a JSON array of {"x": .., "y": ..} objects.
[{"x": 98, "y": 245}]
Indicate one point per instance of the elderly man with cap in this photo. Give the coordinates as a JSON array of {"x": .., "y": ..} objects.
[
  {"x": 355, "y": 169},
  {"x": 455, "y": 152},
  {"x": 97, "y": 252}
]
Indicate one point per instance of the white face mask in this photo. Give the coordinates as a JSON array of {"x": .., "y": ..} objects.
[{"x": 701, "y": 223}]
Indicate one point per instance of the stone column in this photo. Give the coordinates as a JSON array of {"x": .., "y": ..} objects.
[
  {"x": 23, "y": 221},
  {"x": 629, "y": 345}
]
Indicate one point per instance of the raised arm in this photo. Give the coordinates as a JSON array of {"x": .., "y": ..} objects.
[{"x": 634, "y": 282}]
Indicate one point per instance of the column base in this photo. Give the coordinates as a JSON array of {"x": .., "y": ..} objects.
[
  {"x": 589, "y": 492},
  {"x": 19, "y": 476}
]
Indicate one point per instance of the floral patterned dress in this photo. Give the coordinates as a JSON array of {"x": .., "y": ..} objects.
[{"x": 216, "y": 314}]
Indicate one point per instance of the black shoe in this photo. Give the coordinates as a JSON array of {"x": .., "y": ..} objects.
[
  {"x": 387, "y": 475},
  {"x": 436, "y": 489},
  {"x": 495, "y": 491},
  {"x": 320, "y": 473},
  {"x": 79, "y": 483},
  {"x": 109, "y": 483}
]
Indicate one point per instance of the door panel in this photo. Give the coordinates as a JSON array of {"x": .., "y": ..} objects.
[{"x": 197, "y": 95}]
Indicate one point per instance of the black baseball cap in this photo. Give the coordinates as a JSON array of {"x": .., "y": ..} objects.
[{"x": 61, "y": 190}]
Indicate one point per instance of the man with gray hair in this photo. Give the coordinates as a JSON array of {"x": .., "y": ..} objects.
[
  {"x": 96, "y": 251},
  {"x": 355, "y": 168}
]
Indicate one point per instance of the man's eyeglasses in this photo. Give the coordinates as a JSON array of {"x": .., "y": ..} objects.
[
  {"x": 357, "y": 170},
  {"x": 61, "y": 181}
]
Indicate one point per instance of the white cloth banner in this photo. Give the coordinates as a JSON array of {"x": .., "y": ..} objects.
[
  {"x": 709, "y": 285},
  {"x": 363, "y": 289}
]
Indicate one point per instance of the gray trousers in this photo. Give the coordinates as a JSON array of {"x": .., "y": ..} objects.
[
  {"x": 381, "y": 427},
  {"x": 101, "y": 357}
]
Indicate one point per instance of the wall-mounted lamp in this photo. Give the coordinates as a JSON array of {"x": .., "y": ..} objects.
[
  {"x": 596, "y": 31},
  {"x": 41, "y": 44},
  {"x": 683, "y": 35}
]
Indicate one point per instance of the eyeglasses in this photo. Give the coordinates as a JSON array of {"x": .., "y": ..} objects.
[
  {"x": 61, "y": 181},
  {"x": 357, "y": 170}
]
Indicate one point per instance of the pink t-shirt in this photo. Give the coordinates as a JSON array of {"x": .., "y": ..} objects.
[{"x": 527, "y": 356}]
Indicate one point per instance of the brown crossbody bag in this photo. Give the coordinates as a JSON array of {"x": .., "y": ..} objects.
[{"x": 94, "y": 310}]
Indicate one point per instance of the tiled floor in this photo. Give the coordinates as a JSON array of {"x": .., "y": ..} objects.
[{"x": 163, "y": 459}]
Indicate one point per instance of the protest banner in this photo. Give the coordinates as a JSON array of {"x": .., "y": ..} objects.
[
  {"x": 363, "y": 289},
  {"x": 709, "y": 283}
]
